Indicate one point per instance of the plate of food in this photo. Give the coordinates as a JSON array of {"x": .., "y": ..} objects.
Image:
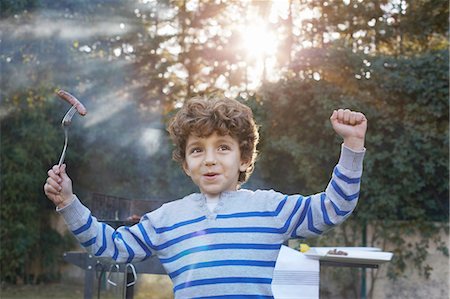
[{"x": 355, "y": 255}]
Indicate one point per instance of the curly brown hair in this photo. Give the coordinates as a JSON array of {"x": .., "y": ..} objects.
[{"x": 204, "y": 116}]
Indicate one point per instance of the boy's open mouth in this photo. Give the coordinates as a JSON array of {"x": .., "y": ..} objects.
[{"x": 211, "y": 174}]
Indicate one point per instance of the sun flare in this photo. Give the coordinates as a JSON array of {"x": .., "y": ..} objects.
[
  {"x": 258, "y": 41},
  {"x": 261, "y": 39},
  {"x": 260, "y": 49}
]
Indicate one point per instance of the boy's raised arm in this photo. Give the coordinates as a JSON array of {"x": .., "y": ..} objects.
[{"x": 322, "y": 211}]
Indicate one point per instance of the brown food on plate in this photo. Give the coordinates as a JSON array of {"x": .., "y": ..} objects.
[{"x": 337, "y": 252}]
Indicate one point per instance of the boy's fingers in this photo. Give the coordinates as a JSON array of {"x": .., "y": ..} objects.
[
  {"x": 352, "y": 118},
  {"x": 63, "y": 172},
  {"x": 347, "y": 116},
  {"x": 52, "y": 183},
  {"x": 56, "y": 169},
  {"x": 360, "y": 117},
  {"x": 333, "y": 115},
  {"x": 63, "y": 169},
  {"x": 50, "y": 190},
  {"x": 340, "y": 115},
  {"x": 51, "y": 173},
  {"x": 347, "y": 113}
]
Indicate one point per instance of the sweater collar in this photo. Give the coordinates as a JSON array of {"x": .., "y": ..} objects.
[{"x": 223, "y": 196}]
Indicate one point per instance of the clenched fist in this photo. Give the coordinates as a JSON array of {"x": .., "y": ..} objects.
[
  {"x": 58, "y": 186},
  {"x": 351, "y": 126}
]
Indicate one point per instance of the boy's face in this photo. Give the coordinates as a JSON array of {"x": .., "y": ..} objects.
[{"x": 214, "y": 163}]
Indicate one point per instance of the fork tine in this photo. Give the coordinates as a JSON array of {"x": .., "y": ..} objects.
[{"x": 68, "y": 117}]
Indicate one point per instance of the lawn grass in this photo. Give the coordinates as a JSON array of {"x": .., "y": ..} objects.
[
  {"x": 147, "y": 287},
  {"x": 42, "y": 291}
]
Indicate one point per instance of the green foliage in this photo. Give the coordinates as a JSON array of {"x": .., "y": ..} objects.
[
  {"x": 410, "y": 107},
  {"x": 28, "y": 148}
]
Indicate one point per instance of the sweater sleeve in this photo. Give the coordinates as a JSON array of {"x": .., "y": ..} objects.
[
  {"x": 315, "y": 214},
  {"x": 126, "y": 244}
]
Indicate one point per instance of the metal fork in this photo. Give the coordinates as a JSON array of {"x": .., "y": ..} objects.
[{"x": 65, "y": 123}]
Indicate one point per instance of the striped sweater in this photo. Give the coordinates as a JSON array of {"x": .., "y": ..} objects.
[{"x": 230, "y": 252}]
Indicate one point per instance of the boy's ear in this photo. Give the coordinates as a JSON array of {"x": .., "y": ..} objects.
[
  {"x": 186, "y": 169},
  {"x": 244, "y": 165}
]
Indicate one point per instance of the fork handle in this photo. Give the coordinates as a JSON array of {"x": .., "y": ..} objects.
[{"x": 63, "y": 154}]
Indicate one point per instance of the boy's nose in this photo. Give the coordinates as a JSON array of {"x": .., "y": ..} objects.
[
  {"x": 209, "y": 162},
  {"x": 210, "y": 159}
]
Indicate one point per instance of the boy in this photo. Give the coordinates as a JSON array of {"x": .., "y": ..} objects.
[{"x": 222, "y": 242}]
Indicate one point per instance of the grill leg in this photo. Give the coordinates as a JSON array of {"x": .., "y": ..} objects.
[
  {"x": 88, "y": 282},
  {"x": 130, "y": 289}
]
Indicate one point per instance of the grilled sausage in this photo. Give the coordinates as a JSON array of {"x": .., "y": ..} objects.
[{"x": 72, "y": 101}]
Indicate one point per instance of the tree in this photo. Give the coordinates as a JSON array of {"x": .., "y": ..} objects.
[{"x": 29, "y": 142}]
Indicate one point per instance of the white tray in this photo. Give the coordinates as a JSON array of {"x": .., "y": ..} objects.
[{"x": 355, "y": 255}]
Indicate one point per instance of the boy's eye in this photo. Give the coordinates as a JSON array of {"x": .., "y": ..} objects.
[
  {"x": 195, "y": 150},
  {"x": 224, "y": 147}
]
